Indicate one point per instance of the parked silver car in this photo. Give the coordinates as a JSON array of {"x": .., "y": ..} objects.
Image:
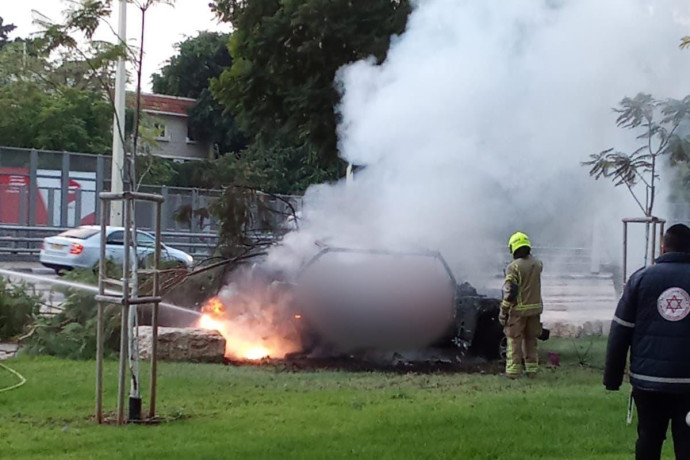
[{"x": 80, "y": 248}]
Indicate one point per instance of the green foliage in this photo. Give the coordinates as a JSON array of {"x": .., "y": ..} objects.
[
  {"x": 54, "y": 96},
  {"x": 18, "y": 309},
  {"x": 285, "y": 57},
  {"x": 188, "y": 74},
  {"x": 199, "y": 60},
  {"x": 287, "y": 169},
  {"x": 5, "y": 30},
  {"x": 209, "y": 122},
  {"x": 657, "y": 123},
  {"x": 69, "y": 119},
  {"x": 154, "y": 170},
  {"x": 72, "y": 332}
]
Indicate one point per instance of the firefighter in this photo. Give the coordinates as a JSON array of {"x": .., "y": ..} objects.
[
  {"x": 521, "y": 307},
  {"x": 652, "y": 322}
]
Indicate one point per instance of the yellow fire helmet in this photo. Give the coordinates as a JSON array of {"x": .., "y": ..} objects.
[{"x": 517, "y": 241}]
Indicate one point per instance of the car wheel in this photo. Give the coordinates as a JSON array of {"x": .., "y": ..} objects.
[{"x": 489, "y": 340}]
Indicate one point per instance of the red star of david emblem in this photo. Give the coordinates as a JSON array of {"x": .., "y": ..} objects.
[{"x": 673, "y": 308}]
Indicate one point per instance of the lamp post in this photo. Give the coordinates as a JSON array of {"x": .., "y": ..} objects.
[{"x": 118, "y": 161}]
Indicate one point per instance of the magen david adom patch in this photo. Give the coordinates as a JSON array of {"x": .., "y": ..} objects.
[{"x": 674, "y": 304}]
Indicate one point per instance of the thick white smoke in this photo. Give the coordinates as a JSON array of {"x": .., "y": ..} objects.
[{"x": 476, "y": 124}]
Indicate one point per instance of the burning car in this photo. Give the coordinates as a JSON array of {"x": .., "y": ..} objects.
[{"x": 351, "y": 301}]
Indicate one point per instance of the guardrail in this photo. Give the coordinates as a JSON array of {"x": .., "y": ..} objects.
[{"x": 17, "y": 240}]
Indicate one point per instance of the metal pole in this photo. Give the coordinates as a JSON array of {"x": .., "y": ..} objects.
[
  {"x": 100, "y": 167},
  {"x": 77, "y": 206},
  {"x": 64, "y": 190},
  {"x": 661, "y": 236},
  {"x": 625, "y": 252},
  {"x": 33, "y": 186},
  {"x": 99, "y": 322},
  {"x": 154, "y": 316},
  {"x": 22, "y": 206},
  {"x": 654, "y": 222},
  {"x": 51, "y": 207},
  {"x": 124, "y": 332},
  {"x": 118, "y": 160}
]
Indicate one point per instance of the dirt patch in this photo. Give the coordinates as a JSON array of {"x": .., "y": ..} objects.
[{"x": 470, "y": 365}]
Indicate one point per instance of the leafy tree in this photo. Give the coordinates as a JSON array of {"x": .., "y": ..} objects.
[
  {"x": 199, "y": 60},
  {"x": 285, "y": 57},
  {"x": 5, "y": 30},
  {"x": 188, "y": 74},
  {"x": 64, "y": 119},
  {"x": 658, "y": 125}
]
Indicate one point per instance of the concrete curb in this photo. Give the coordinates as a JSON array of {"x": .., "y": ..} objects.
[{"x": 33, "y": 271}]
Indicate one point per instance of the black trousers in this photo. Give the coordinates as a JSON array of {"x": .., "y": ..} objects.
[{"x": 654, "y": 411}]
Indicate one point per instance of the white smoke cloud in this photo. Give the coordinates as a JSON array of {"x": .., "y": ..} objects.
[{"x": 476, "y": 124}]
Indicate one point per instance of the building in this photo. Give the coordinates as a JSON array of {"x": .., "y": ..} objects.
[{"x": 168, "y": 120}]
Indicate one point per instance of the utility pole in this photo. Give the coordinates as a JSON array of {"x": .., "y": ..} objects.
[{"x": 118, "y": 161}]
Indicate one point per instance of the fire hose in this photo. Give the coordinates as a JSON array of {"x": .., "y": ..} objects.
[{"x": 21, "y": 378}]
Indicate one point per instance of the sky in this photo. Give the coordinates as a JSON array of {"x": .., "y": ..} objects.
[{"x": 165, "y": 26}]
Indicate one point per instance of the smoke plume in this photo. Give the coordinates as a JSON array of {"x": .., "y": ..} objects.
[{"x": 476, "y": 125}]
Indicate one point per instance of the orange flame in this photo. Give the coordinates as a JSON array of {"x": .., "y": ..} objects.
[{"x": 244, "y": 338}]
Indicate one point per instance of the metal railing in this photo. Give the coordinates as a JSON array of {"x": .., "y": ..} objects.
[
  {"x": 18, "y": 240},
  {"x": 40, "y": 188}
]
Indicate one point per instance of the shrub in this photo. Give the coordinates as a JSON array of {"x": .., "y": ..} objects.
[
  {"x": 72, "y": 333},
  {"x": 18, "y": 309}
]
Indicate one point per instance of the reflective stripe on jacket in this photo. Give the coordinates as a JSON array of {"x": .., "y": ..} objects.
[
  {"x": 652, "y": 321},
  {"x": 522, "y": 287}
]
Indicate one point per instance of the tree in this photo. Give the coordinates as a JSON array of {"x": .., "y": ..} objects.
[
  {"x": 658, "y": 123},
  {"x": 199, "y": 60},
  {"x": 44, "y": 106},
  {"x": 285, "y": 57},
  {"x": 5, "y": 30}
]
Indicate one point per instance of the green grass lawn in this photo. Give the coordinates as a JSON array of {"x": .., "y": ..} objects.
[{"x": 230, "y": 412}]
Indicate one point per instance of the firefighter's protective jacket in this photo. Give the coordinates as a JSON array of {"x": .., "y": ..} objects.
[{"x": 522, "y": 287}]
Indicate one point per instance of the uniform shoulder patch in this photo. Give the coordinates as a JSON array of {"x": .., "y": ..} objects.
[{"x": 673, "y": 304}]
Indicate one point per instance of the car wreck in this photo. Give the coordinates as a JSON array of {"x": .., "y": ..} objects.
[
  {"x": 355, "y": 300},
  {"x": 356, "y": 303}
]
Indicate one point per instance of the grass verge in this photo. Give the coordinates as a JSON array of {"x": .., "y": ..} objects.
[{"x": 248, "y": 412}]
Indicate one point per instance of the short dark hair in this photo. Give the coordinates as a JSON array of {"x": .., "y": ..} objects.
[
  {"x": 522, "y": 252},
  {"x": 677, "y": 239}
]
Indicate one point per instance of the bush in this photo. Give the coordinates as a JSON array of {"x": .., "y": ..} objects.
[
  {"x": 72, "y": 333},
  {"x": 18, "y": 309}
]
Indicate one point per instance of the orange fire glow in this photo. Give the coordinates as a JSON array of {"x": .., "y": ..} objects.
[{"x": 250, "y": 330}]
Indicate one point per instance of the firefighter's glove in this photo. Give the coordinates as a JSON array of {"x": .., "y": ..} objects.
[{"x": 503, "y": 318}]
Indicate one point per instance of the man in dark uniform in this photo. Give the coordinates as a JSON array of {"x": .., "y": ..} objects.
[{"x": 653, "y": 321}]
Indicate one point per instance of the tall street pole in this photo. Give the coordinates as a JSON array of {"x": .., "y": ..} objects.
[{"x": 118, "y": 162}]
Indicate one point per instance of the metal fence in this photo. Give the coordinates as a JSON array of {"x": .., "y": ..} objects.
[
  {"x": 21, "y": 241},
  {"x": 42, "y": 192}
]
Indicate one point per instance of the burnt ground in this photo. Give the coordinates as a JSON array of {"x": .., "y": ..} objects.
[{"x": 301, "y": 363}]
